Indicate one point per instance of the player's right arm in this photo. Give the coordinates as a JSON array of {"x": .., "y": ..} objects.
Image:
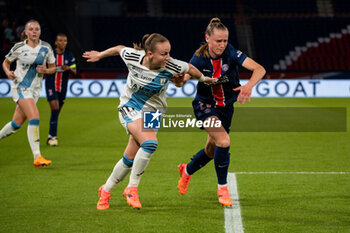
[
  {"x": 93, "y": 56},
  {"x": 6, "y": 67}
]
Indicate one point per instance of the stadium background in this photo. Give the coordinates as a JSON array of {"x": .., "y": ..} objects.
[
  {"x": 287, "y": 181},
  {"x": 291, "y": 38}
]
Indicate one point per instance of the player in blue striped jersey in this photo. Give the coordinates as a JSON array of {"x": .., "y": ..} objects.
[
  {"x": 31, "y": 57},
  {"x": 150, "y": 69},
  {"x": 219, "y": 59}
]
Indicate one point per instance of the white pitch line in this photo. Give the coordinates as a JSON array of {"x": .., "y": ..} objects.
[
  {"x": 301, "y": 172},
  {"x": 233, "y": 218}
]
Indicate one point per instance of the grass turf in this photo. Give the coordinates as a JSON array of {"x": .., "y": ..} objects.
[{"x": 63, "y": 197}]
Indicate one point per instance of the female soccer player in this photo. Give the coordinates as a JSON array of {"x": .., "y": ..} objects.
[
  {"x": 219, "y": 59},
  {"x": 150, "y": 69},
  {"x": 56, "y": 84},
  {"x": 31, "y": 56}
]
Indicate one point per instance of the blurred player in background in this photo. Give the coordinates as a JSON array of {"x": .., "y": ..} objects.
[
  {"x": 31, "y": 56},
  {"x": 56, "y": 84},
  {"x": 150, "y": 69},
  {"x": 220, "y": 60}
]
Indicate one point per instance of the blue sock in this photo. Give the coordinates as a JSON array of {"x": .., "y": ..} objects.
[
  {"x": 221, "y": 161},
  {"x": 15, "y": 125},
  {"x": 54, "y": 122},
  {"x": 198, "y": 160},
  {"x": 128, "y": 162}
]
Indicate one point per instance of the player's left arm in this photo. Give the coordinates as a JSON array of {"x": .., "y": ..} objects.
[
  {"x": 43, "y": 69},
  {"x": 195, "y": 73},
  {"x": 258, "y": 73},
  {"x": 51, "y": 67},
  {"x": 71, "y": 67},
  {"x": 180, "y": 79},
  {"x": 94, "y": 56}
]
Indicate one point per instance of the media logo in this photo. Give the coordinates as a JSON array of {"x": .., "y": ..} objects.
[{"x": 151, "y": 119}]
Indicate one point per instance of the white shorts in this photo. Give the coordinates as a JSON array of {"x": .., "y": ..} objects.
[
  {"x": 127, "y": 115},
  {"x": 25, "y": 93}
]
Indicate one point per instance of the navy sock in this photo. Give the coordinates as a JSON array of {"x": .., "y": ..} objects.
[
  {"x": 53, "y": 122},
  {"x": 221, "y": 161},
  {"x": 198, "y": 160}
]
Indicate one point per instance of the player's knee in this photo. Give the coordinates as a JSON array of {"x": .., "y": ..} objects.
[
  {"x": 149, "y": 146},
  {"x": 15, "y": 126},
  {"x": 34, "y": 122},
  {"x": 224, "y": 142}
]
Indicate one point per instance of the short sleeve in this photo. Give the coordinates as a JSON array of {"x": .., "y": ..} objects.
[
  {"x": 50, "y": 56},
  {"x": 71, "y": 61},
  {"x": 177, "y": 66},
  {"x": 237, "y": 55},
  {"x": 14, "y": 52},
  {"x": 130, "y": 55}
]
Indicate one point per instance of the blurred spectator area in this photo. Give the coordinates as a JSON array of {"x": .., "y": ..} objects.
[
  {"x": 184, "y": 34},
  {"x": 302, "y": 43},
  {"x": 284, "y": 36}
]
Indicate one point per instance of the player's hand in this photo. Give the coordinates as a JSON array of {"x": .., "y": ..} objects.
[
  {"x": 178, "y": 80},
  {"x": 65, "y": 67},
  {"x": 41, "y": 69},
  {"x": 92, "y": 56},
  {"x": 11, "y": 75},
  {"x": 244, "y": 93},
  {"x": 210, "y": 80}
]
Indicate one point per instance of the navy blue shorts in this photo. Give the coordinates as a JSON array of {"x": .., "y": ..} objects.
[
  {"x": 202, "y": 111},
  {"x": 52, "y": 94}
]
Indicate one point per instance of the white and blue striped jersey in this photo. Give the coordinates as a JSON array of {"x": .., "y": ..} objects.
[
  {"x": 145, "y": 88},
  {"x": 27, "y": 59}
]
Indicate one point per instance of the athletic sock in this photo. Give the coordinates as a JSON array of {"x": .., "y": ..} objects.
[
  {"x": 221, "y": 161},
  {"x": 142, "y": 158},
  {"x": 34, "y": 137},
  {"x": 120, "y": 171},
  {"x": 198, "y": 161},
  {"x": 54, "y": 122},
  {"x": 10, "y": 128}
]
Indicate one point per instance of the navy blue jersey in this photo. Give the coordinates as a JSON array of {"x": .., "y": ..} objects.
[
  {"x": 58, "y": 81},
  {"x": 225, "y": 68}
]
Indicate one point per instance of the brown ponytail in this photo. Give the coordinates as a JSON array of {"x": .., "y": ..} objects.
[
  {"x": 214, "y": 23},
  {"x": 149, "y": 42}
]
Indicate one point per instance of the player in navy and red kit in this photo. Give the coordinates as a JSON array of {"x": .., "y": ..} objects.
[
  {"x": 56, "y": 84},
  {"x": 218, "y": 59}
]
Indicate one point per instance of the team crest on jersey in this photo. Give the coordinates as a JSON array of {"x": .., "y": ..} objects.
[
  {"x": 162, "y": 81},
  {"x": 43, "y": 53},
  {"x": 225, "y": 67}
]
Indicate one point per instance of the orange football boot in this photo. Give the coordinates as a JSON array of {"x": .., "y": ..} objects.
[
  {"x": 224, "y": 196},
  {"x": 184, "y": 179},
  {"x": 132, "y": 197},
  {"x": 103, "y": 202},
  {"x": 41, "y": 162}
]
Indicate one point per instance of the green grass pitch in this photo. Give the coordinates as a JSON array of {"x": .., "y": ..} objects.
[{"x": 63, "y": 197}]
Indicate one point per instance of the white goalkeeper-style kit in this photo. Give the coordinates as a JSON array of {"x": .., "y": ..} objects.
[
  {"x": 28, "y": 82},
  {"x": 145, "y": 89}
]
